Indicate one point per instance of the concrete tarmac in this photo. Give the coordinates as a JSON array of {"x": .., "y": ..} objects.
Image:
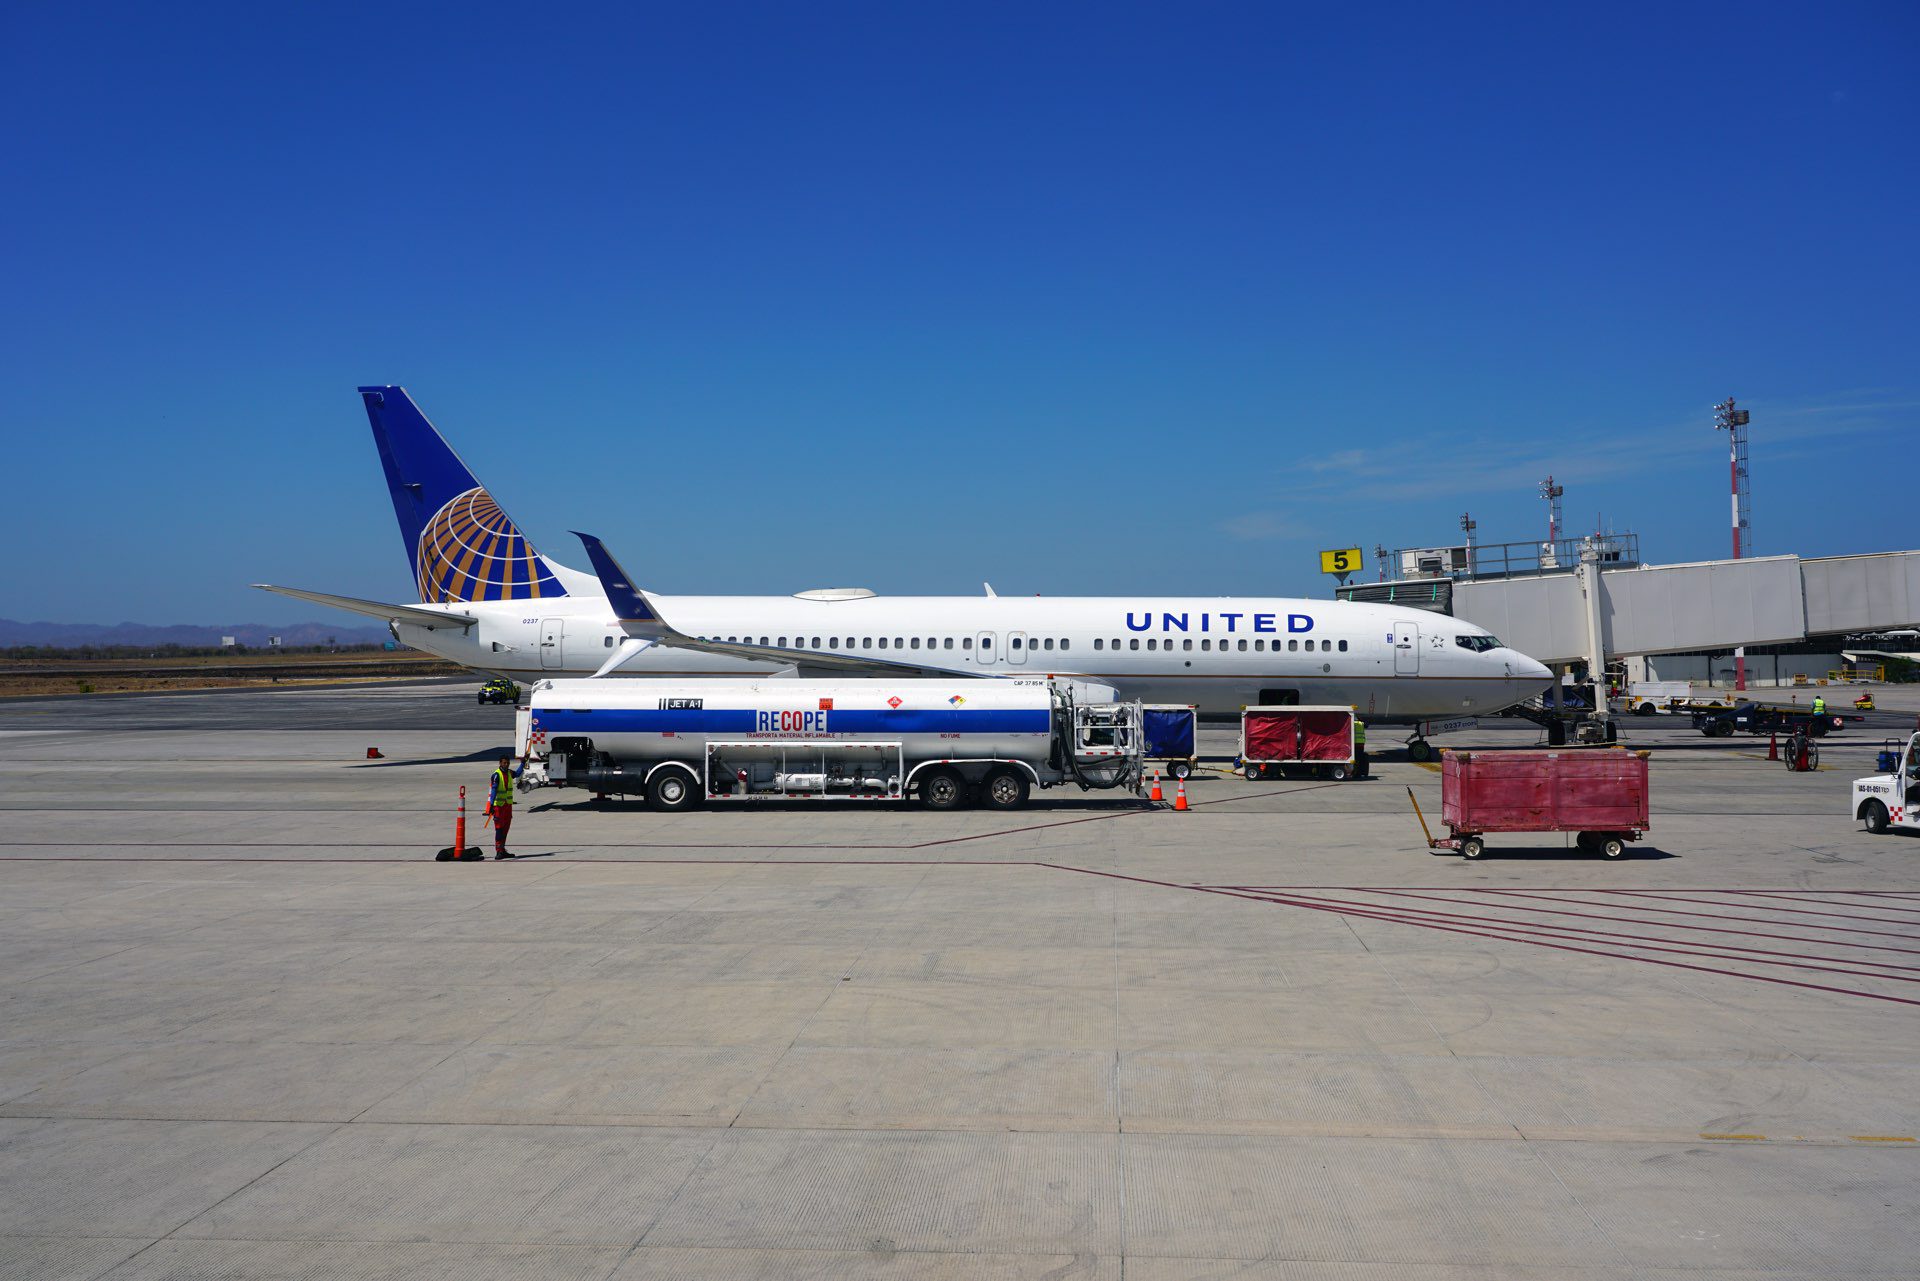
[{"x": 251, "y": 1029}]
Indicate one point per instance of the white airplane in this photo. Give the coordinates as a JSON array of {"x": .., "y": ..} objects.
[{"x": 489, "y": 601}]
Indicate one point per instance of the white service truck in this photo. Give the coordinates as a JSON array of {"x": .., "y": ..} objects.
[
  {"x": 1890, "y": 801},
  {"x": 680, "y": 743}
]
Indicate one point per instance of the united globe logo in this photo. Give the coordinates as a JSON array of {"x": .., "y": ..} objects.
[{"x": 471, "y": 551}]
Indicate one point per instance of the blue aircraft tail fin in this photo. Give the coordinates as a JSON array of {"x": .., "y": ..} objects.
[{"x": 461, "y": 545}]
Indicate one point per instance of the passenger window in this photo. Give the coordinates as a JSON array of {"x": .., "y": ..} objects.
[
  {"x": 1243, "y": 647},
  {"x": 763, "y": 640},
  {"x": 1016, "y": 642},
  {"x": 866, "y": 642},
  {"x": 1343, "y": 647},
  {"x": 783, "y": 642},
  {"x": 1152, "y": 643},
  {"x": 899, "y": 643},
  {"x": 883, "y": 642},
  {"x": 1049, "y": 644},
  {"x": 1186, "y": 644},
  {"x": 916, "y": 642},
  {"x": 1292, "y": 645},
  {"x": 1260, "y": 645},
  {"x": 1134, "y": 643},
  {"x": 966, "y": 642},
  {"x": 1098, "y": 643},
  {"x": 949, "y": 642},
  {"x": 986, "y": 642},
  {"x": 1065, "y": 644},
  {"x": 833, "y": 642},
  {"x": 608, "y": 642}
]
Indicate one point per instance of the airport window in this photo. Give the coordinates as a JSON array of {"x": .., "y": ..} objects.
[
  {"x": 1243, "y": 647},
  {"x": 1098, "y": 643},
  {"x": 1134, "y": 643},
  {"x": 1343, "y": 647}
]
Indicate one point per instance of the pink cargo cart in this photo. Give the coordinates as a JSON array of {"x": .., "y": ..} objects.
[
  {"x": 1601, "y": 793},
  {"x": 1282, "y": 740}
]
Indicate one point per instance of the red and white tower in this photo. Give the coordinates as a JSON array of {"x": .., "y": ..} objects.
[{"x": 1734, "y": 422}]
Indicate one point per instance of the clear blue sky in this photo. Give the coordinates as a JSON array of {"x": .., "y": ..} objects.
[{"x": 1081, "y": 299}]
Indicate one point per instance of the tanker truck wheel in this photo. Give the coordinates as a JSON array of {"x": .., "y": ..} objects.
[
  {"x": 1004, "y": 790},
  {"x": 942, "y": 789},
  {"x": 672, "y": 789}
]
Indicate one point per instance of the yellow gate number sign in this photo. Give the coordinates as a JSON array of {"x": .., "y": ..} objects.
[{"x": 1344, "y": 561}]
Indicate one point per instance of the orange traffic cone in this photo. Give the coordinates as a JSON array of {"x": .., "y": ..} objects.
[
  {"x": 1773, "y": 746},
  {"x": 1180, "y": 798},
  {"x": 1155, "y": 795},
  {"x": 459, "y": 851}
]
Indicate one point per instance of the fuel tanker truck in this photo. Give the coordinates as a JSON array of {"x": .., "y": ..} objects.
[{"x": 944, "y": 743}]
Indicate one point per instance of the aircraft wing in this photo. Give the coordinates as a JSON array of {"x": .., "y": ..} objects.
[
  {"x": 640, "y": 616},
  {"x": 429, "y": 618}
]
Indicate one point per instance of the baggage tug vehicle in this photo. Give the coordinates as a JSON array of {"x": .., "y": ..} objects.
[
  {"x": 942, "y": 742},
  {"x": 1890, "y": 800}
]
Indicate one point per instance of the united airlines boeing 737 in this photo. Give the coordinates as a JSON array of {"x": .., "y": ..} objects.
[{"x": 489, "y": 601}]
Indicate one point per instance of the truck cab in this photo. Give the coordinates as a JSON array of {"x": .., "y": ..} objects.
[{"x": 1885, "y": 802}]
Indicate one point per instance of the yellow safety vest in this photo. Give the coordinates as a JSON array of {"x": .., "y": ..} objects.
[
  {"x": 502, "y": 787},
  {"x": 1359, "y": 733},
  {"x": 1819, "y": 707}
]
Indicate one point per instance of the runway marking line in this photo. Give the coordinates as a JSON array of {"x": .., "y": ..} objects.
[{"x": 1740, "y": 1138}]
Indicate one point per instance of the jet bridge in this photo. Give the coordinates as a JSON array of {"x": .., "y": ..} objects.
[{"x": 1708, "y": 605}]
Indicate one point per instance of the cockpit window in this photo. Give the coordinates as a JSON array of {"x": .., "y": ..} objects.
[{"x": 1478, "y": 644}]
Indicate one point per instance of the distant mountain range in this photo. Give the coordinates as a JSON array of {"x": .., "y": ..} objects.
[{"x": 71, "y": 635}]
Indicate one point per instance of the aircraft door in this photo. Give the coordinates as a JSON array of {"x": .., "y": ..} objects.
[
  {"x": 1406, "y": 649},
  {"x": 1017, "y": 647},
  {"x": 552, "y": 633},
  {"x": 983, "y": 651}
]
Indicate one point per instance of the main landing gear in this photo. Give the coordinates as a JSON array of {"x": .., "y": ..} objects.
[{"x": 1419, "y": 749}]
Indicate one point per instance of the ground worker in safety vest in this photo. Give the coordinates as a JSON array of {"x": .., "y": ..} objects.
[
  {"x": 1819, "y": 704},
  {"x": 500, "y": 805},
  {"x": 1359, "y": 748}
]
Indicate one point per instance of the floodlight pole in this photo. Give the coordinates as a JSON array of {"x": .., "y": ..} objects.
[{"x": 1734, "y": 422}]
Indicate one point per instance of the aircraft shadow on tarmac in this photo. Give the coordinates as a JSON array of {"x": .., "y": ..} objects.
[{"x": 486, "y": 757}]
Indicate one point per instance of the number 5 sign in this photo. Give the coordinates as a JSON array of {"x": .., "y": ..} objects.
[{"x": 1342, "y": 562}]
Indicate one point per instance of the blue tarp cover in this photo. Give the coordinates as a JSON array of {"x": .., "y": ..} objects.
[{"x": 1169, "y": 732}]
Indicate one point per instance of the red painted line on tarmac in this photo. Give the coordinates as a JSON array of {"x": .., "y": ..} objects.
[
  {"x": 1558, "y": 947},
  {"x": 1765, "y": 897},
  {"x": 1641, "y": 920},
  {"x": 1714, "y": 916},
  {"x": 1646, "y": 942},
  {"x": 1671, "y": 896}
]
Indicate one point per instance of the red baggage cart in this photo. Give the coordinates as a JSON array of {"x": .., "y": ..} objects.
[
  {"x": 1279, "y": 739},
  {"x": 1601, "y": 793}
]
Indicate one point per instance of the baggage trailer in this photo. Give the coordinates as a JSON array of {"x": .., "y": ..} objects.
[
  {"x": 1599, "y": 793},
  {"x": 1169, "y": 730},
  {"x": 1313, "y": 740},
  {"x": 679, "y": 743}
]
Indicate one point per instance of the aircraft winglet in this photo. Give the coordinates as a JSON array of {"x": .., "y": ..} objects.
[{"x": 621, "y": 593}]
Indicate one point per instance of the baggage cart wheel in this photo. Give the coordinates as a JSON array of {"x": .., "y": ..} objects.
[
  {"x": 671, "y": 789},
  {"x": 1004, "y": 790},
  {"x": 1585, "y": 840},
  {"x": 1876, "y": 817},
  {"x": 1251, "y": 772},
  {"x": 1181, "y": 769},
  {"x": 1419, "y": 750},
  {"x": 942, "y": 789},
  {"x": 1612, "y": 847},
  {"x": 1339, "y": 773},
  {"x": 1472, "y": 847}
]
